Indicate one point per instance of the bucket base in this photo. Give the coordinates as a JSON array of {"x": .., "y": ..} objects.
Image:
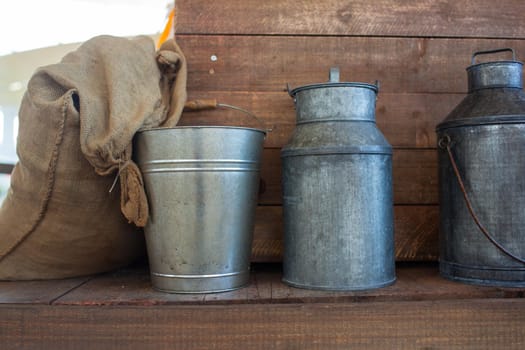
[
  {"x": 342, "y": 288},
  {"x": 485, "y": 276},
  {"x": 200, "y": 284}
]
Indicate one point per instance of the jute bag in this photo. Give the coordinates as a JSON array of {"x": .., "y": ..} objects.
[{"x": 77, "y": 120}]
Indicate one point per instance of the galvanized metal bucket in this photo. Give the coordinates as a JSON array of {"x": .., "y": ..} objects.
[
  {"x": 202, "y": 187},
  {"x": 337, "y": 191},
  {"x": 481, "y": 147}
]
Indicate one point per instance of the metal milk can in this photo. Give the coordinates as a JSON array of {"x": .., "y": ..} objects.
[
  {"x": 337, "y": 190},
  {"x": 481, "y": 147}
]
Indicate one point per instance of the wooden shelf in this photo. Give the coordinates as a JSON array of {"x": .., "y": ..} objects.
[{"x": 121, "y": 310}]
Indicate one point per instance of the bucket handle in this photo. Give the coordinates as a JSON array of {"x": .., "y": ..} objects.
[
  {"x": 444, "y": 143},
  {"x": 206, "y": 104},
  {"x": 493, "y": 51}
]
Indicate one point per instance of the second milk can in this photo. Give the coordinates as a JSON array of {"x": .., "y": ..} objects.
[
  {"x": 481, "y": 148},
  {"x": 337, "y": 190}
]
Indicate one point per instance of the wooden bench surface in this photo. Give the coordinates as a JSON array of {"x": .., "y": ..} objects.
[
  {"x": 121, "y": 310},
  {"x": 131, "y": 286}
]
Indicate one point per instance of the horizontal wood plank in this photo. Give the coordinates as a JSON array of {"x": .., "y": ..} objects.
[
  {"x": 268, "y": 63},
  {"x": 415, "y": 233},
  {"x": 120, "y": 309},
  {"x": 470, "y": 18},
  {"x": 445, "y": 324},
  {"x": 132, "y": 286},
  {"x": 406, "y": 120},
  {"x": 414, "y": 176},
  {"x": 415, "y": 281},
  {"x": 37, "y": 292}
]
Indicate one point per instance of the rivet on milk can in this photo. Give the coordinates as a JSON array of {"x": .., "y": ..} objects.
[
  {"x": 202, "y": 187},
  {"x": 337, "y": 190},
  {"x": 481, "y": 146}
]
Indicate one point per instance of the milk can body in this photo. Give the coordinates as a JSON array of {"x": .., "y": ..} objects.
[
  {"x": 481, "y": 147},
  {"x": 337, "y": 191}
]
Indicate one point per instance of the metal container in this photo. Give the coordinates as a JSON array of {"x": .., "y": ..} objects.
[
  {"x": 481, "y": 147},
  {"x": 202, "y": 187},
  {"x": 337, "y": 190}
]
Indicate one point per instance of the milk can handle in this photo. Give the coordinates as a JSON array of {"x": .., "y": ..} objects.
[
  {"x": 493, "y": 51},
  {"x": 444, "y": 143}
]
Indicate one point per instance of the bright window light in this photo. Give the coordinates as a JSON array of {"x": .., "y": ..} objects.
[
  {"x": 72, "y": 21},
  {"x": 15, "y": 130},
  {"x": 1, "y": 127}
]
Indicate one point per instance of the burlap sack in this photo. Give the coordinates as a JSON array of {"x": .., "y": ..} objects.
[{"x": 77, "y": 120}]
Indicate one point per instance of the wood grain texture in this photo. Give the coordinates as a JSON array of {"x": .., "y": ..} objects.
[
  {"x": 414, "y": 176},
  {"x": 268, "y": 63},
  {"x": 37, "y": 292},
  {"x": 407, "y": 120},
  {"x": 416, "y": 230},
  {"x": 469, "y": 18},
  {"x": 267, "y": 243},
  {"x": 415, "y": 282},
  {"x": 443, "y": 324},
  {"x": 415, "y": 233},
  {"x": 132, "y": 286}
]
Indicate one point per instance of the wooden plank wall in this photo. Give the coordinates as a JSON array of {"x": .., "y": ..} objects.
[{"x": 244, "y": 52}]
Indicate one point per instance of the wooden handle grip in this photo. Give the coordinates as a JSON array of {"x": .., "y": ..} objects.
[{"x": 197, "y": 105}]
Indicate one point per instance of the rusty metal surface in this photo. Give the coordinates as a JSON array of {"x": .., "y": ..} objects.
[{"x": 484, "y": 139}]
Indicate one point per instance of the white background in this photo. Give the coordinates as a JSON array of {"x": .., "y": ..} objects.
[{"x": 30, "y": 24}]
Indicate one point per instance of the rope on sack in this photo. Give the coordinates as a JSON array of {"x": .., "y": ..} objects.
[{"x": 121, "y": 166}]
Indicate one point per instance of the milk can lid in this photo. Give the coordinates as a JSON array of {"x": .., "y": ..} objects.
[
  {"x": 333, "y": 81},
  {"x": 495, "y": 74},
  {"x": 495, "y": 94}
]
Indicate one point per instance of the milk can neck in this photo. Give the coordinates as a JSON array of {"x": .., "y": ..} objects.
[
  {"x": 501, "y": 74},
  {"x": 336, "y": 103}
]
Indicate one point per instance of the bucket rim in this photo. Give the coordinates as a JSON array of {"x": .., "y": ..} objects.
[
  {"x": 298, "y": 89},
  {"x": 160, "y": 128}
]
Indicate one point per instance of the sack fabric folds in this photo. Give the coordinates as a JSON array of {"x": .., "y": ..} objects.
[{"x": 76, "y": 124}]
